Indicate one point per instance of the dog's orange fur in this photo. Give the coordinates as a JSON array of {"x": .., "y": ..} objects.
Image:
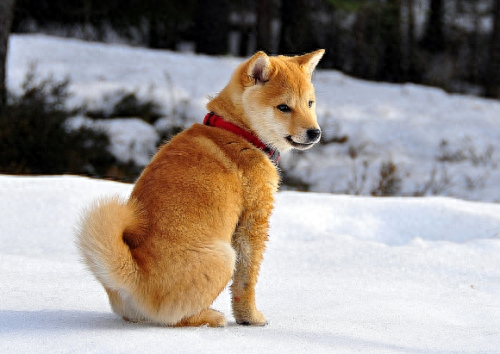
[{"x": 198, "y": 215}]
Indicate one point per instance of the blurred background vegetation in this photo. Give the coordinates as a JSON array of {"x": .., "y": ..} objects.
[{"x": 452, "y": 44}]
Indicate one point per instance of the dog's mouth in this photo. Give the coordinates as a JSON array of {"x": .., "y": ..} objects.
[{"x": 299, "y": 146}]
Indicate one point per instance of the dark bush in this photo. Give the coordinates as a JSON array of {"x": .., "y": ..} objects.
[
  {"x": 130, "y": 106},
  {"x": 168, "y": 133},
  {"x": 35, "y": 140},
  {"x": 390, "y": 180}
]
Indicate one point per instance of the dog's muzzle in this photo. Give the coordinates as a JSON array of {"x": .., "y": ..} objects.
[{"x": 312, "y": 137}]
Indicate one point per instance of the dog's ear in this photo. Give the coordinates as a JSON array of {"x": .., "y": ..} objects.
[
  {"x": 309, "y": 61},
  {"x": 259, "y": 67}
]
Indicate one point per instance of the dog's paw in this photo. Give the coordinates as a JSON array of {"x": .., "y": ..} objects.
[
  {"x": 254, "y": 319},
  {"x": 216, "y": 319},
  {"x": 207, "y": 317}
]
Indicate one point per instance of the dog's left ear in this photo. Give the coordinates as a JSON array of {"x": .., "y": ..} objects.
[
  {"x": 258, "y": 68},
  {"x": 309, "y": 61}
]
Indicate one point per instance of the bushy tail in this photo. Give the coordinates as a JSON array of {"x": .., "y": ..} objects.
[{"x": 100, "y": 241}]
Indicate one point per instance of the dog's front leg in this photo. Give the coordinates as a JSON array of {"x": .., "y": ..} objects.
[{"x": 249, "y": 242}]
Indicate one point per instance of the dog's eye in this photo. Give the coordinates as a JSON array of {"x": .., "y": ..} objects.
[
  {"x": 311, "y": 104},
  {"x": 284, "y": 108}
]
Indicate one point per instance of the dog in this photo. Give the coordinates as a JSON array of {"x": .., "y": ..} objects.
[{"x": 198, "y": 214}]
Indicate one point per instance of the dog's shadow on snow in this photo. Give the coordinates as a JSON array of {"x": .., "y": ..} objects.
[
  {"x": 57, "y": 320},
  {"x": 15, "y": 321}
]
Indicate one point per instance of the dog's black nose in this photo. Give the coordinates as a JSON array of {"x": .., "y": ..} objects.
[{"x": 313, "y": 134}]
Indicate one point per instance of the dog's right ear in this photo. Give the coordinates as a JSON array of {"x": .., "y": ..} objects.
[{"x": 259, "y": 67}]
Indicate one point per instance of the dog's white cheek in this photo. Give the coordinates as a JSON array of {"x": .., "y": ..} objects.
[
  {"x": 270, "y": 129},
  {"x": 264, "y": 122}
]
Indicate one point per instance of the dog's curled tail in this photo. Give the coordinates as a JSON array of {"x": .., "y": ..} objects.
[{"x": 101, "y": 243}]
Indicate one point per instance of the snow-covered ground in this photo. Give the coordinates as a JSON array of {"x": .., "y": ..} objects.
[
  {"x": 346, "y": 274},
  {"x": 341, "y": 274},
  {"x": 409, "y": 125}
]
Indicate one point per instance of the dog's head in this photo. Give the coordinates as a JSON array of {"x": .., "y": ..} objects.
[{"x": 278, "y": 99}]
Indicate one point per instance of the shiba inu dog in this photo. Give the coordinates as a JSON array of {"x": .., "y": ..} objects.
[{"x": 198, "y": 215}]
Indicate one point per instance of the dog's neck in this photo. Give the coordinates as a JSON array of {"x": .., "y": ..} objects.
[{"x": 214, "y": 120}]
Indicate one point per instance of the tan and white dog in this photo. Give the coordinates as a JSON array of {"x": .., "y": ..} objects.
[{"x": 198, "y": 215}]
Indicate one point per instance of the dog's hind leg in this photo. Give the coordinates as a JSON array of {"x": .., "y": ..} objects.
[{"x": 194, "y": 280}]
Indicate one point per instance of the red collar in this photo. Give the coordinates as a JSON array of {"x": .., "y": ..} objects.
[{"x": 213, "y": 120}]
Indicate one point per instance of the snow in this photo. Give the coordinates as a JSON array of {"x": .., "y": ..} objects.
[
  {"x": 351, "y": 274},
  {"x": 347, "y": 274}
]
